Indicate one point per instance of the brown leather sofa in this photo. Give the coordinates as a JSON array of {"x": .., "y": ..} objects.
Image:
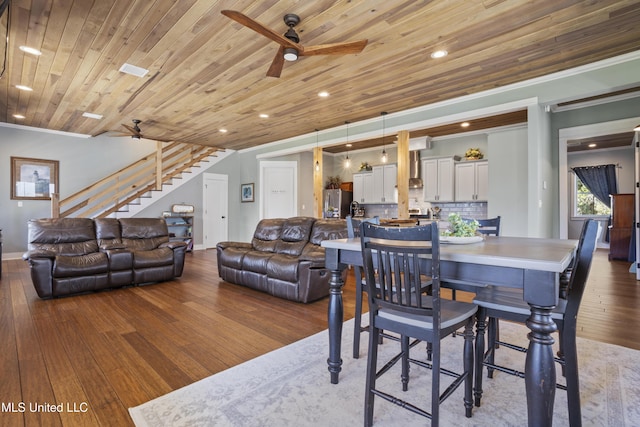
[
  {"x": 76, "y": 255},
  {"x": 284, "y": 258}
]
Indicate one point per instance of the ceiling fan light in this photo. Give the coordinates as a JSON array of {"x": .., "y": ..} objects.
[{"x": 290, "y": 54}]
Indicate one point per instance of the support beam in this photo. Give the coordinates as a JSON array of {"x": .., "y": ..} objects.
[
  {"x": 403, "y": 174},
  {"x": 158, "y": 165},
  {"x": 317, "y": 182}
]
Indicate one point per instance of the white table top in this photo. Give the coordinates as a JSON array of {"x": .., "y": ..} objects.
[{"x": 553, "y": 255}]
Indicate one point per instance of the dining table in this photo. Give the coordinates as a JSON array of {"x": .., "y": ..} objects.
[{"x": 532, "y": 264}]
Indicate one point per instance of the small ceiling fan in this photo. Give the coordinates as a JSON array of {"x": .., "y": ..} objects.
[
  {"x": 290, "y": 47},
  {"x": 134, "y": 132}
]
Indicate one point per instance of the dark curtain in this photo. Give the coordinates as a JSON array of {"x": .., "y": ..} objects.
[{"x": 601, "y": 181}]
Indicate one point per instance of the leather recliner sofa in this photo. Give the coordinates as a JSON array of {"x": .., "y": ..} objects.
[
  {"x": 76, "y": 255},
  {"x": 284, "y": 258}
]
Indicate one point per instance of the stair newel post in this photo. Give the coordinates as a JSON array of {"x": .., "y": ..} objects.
[
  {"x": 158, "y": 165},
  {"x": 55, "y": 205}
]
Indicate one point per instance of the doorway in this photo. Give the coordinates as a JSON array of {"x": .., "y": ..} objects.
[
  {"x": 278, "y": 189},
  {"x": 215, "y": 226}
]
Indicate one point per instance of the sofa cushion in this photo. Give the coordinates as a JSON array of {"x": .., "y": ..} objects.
[
  {"x": 267, "y": 234},
  {"x": 256, "y": 261},
  {"x": 63, "y": 236},
  {"x": 81, "y": 265},
  {"x": 107, "y": 232},
  {"x": 154, "y": 258},
  {"x": 143, "y": 234},
  {"x": 295, "y": 235},
  {"x": 283, "y": 267},
  {"x": 328, "y": 229},
  {"x": 232, "y": 257}
]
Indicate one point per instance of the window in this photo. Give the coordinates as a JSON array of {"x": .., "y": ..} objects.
[{"x": 585, "y": 204}]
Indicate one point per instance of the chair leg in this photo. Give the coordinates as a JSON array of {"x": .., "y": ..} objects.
[
  {"x": 372, "y": 361},
  {"x": 491, "y": 344},
  {"x": 573, "y": 382},
  {"x": 405, "y": 362},
  {"x": 481, "y": 326},
  {"x": 358, "y": 314},
  {"x": 435, "y": 383},
  {"x": 468, "y": 367}
]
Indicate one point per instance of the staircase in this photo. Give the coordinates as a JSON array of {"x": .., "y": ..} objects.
[{"x": 139, "y": 185}]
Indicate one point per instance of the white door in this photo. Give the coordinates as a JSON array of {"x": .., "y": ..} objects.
[
  {"x": 215, "y": 226},
  {"x": 278, "y": 189}
]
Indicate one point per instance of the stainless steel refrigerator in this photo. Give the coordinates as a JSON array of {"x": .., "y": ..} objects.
[{"x": 336, "y": 203}]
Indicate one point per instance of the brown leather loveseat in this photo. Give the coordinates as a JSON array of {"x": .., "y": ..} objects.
[
  {"x": 284, "y": 258},
  {"x": 75, "y": 255}
]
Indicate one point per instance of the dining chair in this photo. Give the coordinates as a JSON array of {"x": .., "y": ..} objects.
[
  {"x": 353, "y": 230},
  {"x": 396, "y": 262},
  {"x": 509, "y": 304}
]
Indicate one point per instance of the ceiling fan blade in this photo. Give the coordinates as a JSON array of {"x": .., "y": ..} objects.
[
  {"x": 276, "y": 66},
  {"x": 261, "y": 29},
  {"x": 335, "y": 48},
  {"x": 132, "y": 130}
]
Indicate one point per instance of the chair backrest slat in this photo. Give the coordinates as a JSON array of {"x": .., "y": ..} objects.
[
  {"x": 353, "y": 225},
  {"x": 489, "y": 226}
]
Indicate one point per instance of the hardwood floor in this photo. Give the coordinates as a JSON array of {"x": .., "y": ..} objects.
[{"x": 102, "y": 353}]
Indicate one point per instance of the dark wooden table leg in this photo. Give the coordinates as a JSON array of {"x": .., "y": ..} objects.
[
  {"x": 540, "y": 372},
  {"x": 335, "y": 316}
]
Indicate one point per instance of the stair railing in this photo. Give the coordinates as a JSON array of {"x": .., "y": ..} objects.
[{"x": 112, "y": 193}]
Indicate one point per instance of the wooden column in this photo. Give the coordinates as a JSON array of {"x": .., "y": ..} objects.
[
  {"x": 158, "y": 165},
  {"x": 317, "y": 182},
  {"x": 403, "y": 174}
]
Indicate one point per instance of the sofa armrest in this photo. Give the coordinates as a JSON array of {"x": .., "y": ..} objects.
[
  {"x": 38, "y": 253},
  {"x": 174, "y": 244},
  {"x": 241, "y": 245}
]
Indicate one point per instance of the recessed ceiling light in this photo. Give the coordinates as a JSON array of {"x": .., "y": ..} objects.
[
  {"x": 133, "y": 70},
  {"x": 19, "y": 116},
  {"x": 23, "y": 87},
  {"x": 349, "y": 145},
  {"x": 464, "y": 124},
  {"x": 439, "y": 54},
  {"x": 592, "y": 145},
  {"x": 264, "y": 116},
  {"x": 223, "y": 130},
  {"x": 92, "y": 115},
  {"x": 31, "y": 50},
  {"x": 323, "y": 94}
]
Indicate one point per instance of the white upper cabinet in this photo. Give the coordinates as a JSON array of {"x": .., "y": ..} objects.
[
  {"x": 385, "y": 179},
  {"x": 438, "y": 178},
  {"x": 363, "y": 187},
  {"x": 472, "y": 181}
]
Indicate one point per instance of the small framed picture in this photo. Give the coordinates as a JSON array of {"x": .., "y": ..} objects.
[
  {"x": 33, "y": 179},
  {"x": 246, "y": 192}
]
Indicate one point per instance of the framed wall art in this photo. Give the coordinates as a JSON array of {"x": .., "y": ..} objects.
[
  {"x": 246, "y": 192},
  {"x": 33, "y": 179}
]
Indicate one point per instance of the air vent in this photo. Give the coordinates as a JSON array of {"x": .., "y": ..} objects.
[{"x": 133, "y": 70}]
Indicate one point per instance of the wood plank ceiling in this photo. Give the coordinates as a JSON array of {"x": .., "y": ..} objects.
[{"x": 207, "y": 72}]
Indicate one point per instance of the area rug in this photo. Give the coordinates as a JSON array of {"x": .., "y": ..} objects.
[{"x": 291, "y": 387}]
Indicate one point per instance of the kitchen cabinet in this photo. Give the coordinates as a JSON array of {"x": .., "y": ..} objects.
[
  {"x": 385, "y": 179},
  {"x": 363, "y": 187},
  {"x": 472, "y": 181},
  {"x": 438, "y": 178}
]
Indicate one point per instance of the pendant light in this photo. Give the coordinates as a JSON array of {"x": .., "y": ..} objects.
[
  {"x": 317, "y": 153},
  {"x": 347, "y": 161},
  {"x": 384, "y": 152}
]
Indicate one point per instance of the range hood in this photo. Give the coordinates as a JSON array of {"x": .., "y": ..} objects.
[{"x": 415, "y": 179}]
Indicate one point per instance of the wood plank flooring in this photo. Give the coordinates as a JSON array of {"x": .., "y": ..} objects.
[{"x": 99, "y": 354}]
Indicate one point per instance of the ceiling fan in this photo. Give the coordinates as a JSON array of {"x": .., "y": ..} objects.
[
  {"x": 134, "y": 132},
  {"x": 290, "y": 47}
]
